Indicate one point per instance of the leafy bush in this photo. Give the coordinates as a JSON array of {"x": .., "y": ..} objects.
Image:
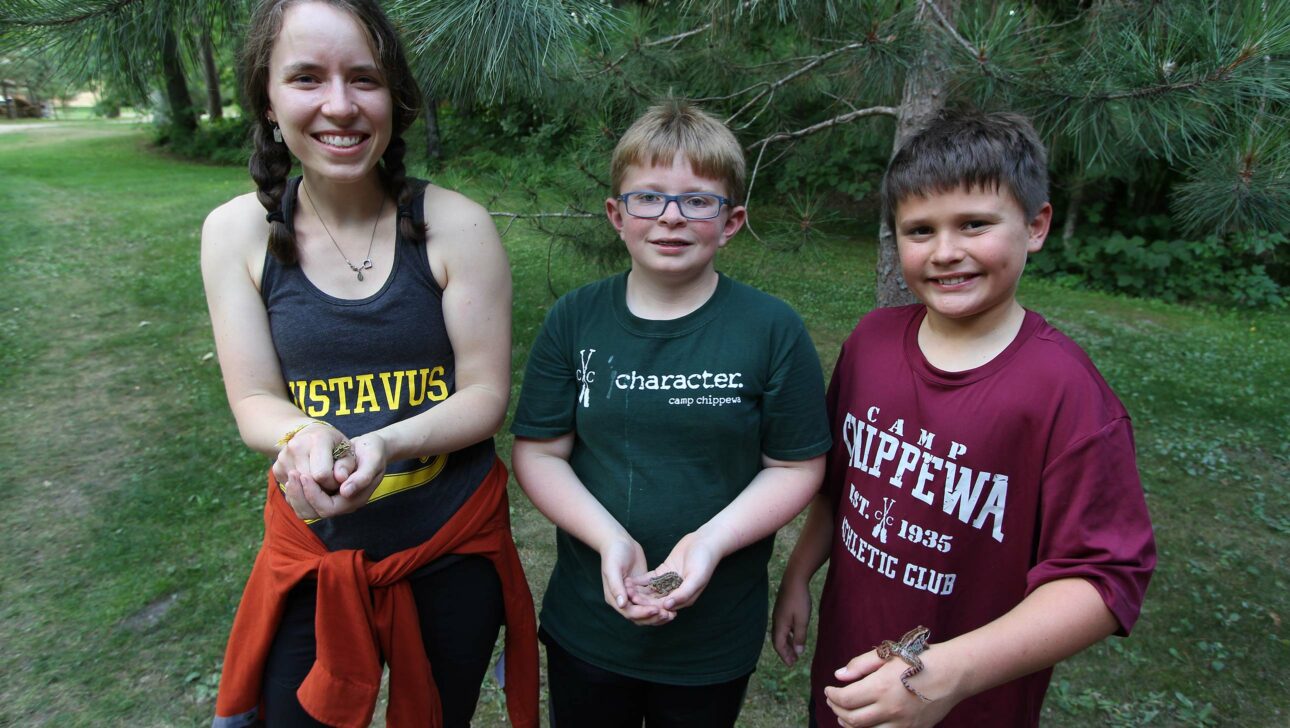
[
  {"x": 842, "y": 166},
  {"x": 108, "y": 108},
  {"x": 1240, "y": 270},
  {"x": 223, "y": 141}
]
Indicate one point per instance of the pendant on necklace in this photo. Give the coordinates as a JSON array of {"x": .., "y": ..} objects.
[{"x": 366, "y": 265}]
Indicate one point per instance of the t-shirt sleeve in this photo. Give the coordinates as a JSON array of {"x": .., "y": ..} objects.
[
  {"x": 549, "y": 395},
  {"x": 835, "y": 467},
  {"x": 1094, "y": 522},
  {"x": 794, "y": 424}
]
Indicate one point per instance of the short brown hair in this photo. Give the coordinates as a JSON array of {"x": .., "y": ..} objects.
[
  {"x": 676, "y": 127},
  {"x": 972, "y": 150}
]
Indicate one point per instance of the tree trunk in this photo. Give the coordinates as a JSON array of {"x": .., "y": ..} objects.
[
  {"x": 239, "y": 92},
  {"x": 10, "y": 108},
  {"x": 214, "y": 104},
  {"x": 430, "y": 108},
  {"x": 923, "y": 96},
  {"x": 1072, "y": 210},
  {"x": 177, "y": 98}
]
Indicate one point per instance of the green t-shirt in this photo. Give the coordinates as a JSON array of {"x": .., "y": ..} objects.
[{"x": 671, "y": 419}]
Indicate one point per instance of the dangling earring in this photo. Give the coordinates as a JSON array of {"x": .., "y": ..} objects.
[{"x": 277, "y": 134}]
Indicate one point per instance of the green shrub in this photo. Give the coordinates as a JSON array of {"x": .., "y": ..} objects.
[
  {"x": 223, "y": 141},
  {"x": 108, "y": 108},
  {"x": 841, "y": 167},
  {"x": 1241, "y": 270}
]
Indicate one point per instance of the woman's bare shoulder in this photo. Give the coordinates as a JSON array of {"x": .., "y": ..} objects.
[
  {"x": 235, "y": 236},
  {"x": 449, "y": 210},
  {"x": 462, "y": 240},
  {"x": 236, "y": 225},
  {"x": 241, "y": 212}
]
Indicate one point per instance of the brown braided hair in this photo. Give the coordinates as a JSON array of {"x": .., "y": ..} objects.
[{"x": 271, "y": 161}]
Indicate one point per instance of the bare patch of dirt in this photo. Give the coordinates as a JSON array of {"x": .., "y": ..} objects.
[{"x": 151, "y": 615}]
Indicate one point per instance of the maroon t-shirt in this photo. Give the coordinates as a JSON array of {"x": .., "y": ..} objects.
[{"x": 958, "y": 493}]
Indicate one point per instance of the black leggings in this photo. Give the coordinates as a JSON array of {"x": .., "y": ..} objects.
[
  {"x": 460, "y": 607},
  {"x": 585, "y": 696}
]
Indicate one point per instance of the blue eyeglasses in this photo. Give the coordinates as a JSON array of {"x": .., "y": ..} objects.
[{"x": 693, "y": 205}]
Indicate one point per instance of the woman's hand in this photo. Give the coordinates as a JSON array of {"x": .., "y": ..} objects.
[
  {"x": 309, "y": 453},
  {"x": 694, "y": 558},
  {"x": 358, "y": 474},
  {"x": 621, "y": 561}
]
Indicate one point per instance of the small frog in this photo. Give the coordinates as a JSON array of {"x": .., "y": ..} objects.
[
  {"x": 665, "y": 584},
  {"x": 913, "y": 644}
]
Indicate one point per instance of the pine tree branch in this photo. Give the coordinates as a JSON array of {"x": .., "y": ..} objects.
[
  {"x": 771, "y": 64},
  {"x": 537, "y": 216},
  {"x": 768, "y": 88},
  {"x": 835, "y": 121},
  {"x": 840, "y": 100},
  {"x": 949, "y": 28},
  {"x": 1079, "y": 16},
  {"x": 582, "y": 167},
  {"x": 1221, "y": 73},
  {"x": 107, "y": 9},
  {"x": 527, "y": 215},
  {"x": 669, "y": 40},
  {"x": 990, "y": 69},
  {"x": 677, "y": 38}
]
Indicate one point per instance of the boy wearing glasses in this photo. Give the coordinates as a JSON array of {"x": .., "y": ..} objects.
[{"x": 671, "y": 420}]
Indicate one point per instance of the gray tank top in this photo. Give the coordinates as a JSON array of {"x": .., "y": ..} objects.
[{"x": 367, "y": 363}]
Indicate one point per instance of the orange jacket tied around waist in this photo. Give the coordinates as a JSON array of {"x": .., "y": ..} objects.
[{"x": 366, "y": 611}]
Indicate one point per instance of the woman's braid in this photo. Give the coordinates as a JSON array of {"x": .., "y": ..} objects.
[
  {"x": 270, "y": 165},
  {"x": 397, "y": 185}
]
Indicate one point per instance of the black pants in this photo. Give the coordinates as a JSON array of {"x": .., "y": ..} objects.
[
  {"x": 583, "y": 695},
  {"x": 460, "y": 607}
]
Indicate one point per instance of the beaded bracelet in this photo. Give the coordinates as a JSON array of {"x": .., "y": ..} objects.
[{"x": 296, "y": 430}]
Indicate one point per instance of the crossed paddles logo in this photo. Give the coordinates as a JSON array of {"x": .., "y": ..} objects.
[{"x": 585, "y": 376}]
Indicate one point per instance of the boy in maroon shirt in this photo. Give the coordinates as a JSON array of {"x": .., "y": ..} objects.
[{"x": 982, "y": 482}]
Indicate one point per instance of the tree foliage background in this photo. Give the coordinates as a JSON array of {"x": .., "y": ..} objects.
[{"x": 1165, "y": 121}]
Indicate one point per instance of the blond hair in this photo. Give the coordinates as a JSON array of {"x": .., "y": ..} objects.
[{"x": 678, "y": 127}]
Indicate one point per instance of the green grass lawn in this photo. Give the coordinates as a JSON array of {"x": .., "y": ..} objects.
[{"x": 133, "y": 510}]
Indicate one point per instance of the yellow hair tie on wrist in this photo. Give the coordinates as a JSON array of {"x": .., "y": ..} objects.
[{"x": 296, "y": 430}]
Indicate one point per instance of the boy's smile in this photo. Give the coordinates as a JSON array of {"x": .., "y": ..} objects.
[
  {"x": 962, "y": 253},
  {"x": 672, "y": 247}
]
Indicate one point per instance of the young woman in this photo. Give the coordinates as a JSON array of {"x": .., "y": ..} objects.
[{"x": 362, "y": 321}]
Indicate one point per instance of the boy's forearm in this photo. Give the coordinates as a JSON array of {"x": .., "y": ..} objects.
[
  {"x": 814, "y": 542},
  {"x": 776, "y": 494},
  {"x": 1057, "y": 620},
  {"x": 557, "y": 492}
]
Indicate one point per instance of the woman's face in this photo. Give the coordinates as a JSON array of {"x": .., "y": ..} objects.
[{"x": 328, "y": 93}]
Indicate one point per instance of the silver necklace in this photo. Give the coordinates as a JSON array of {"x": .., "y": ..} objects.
[{"x": 367, "y": 260}]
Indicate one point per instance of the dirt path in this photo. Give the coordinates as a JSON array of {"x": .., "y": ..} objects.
[{"x": 63, "y": 126}]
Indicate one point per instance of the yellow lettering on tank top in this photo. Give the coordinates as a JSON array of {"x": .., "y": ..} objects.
[
  {"x": 366, "y": 395},
  {"x": 317, "y": 395},
  {"x": 392, "y": 399},
  {"x": 417, "y": 396},
  {"x": 298, "y": 393},
  {"x": 440, "y": 387},
  {"x": 341, "y": 385}
]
